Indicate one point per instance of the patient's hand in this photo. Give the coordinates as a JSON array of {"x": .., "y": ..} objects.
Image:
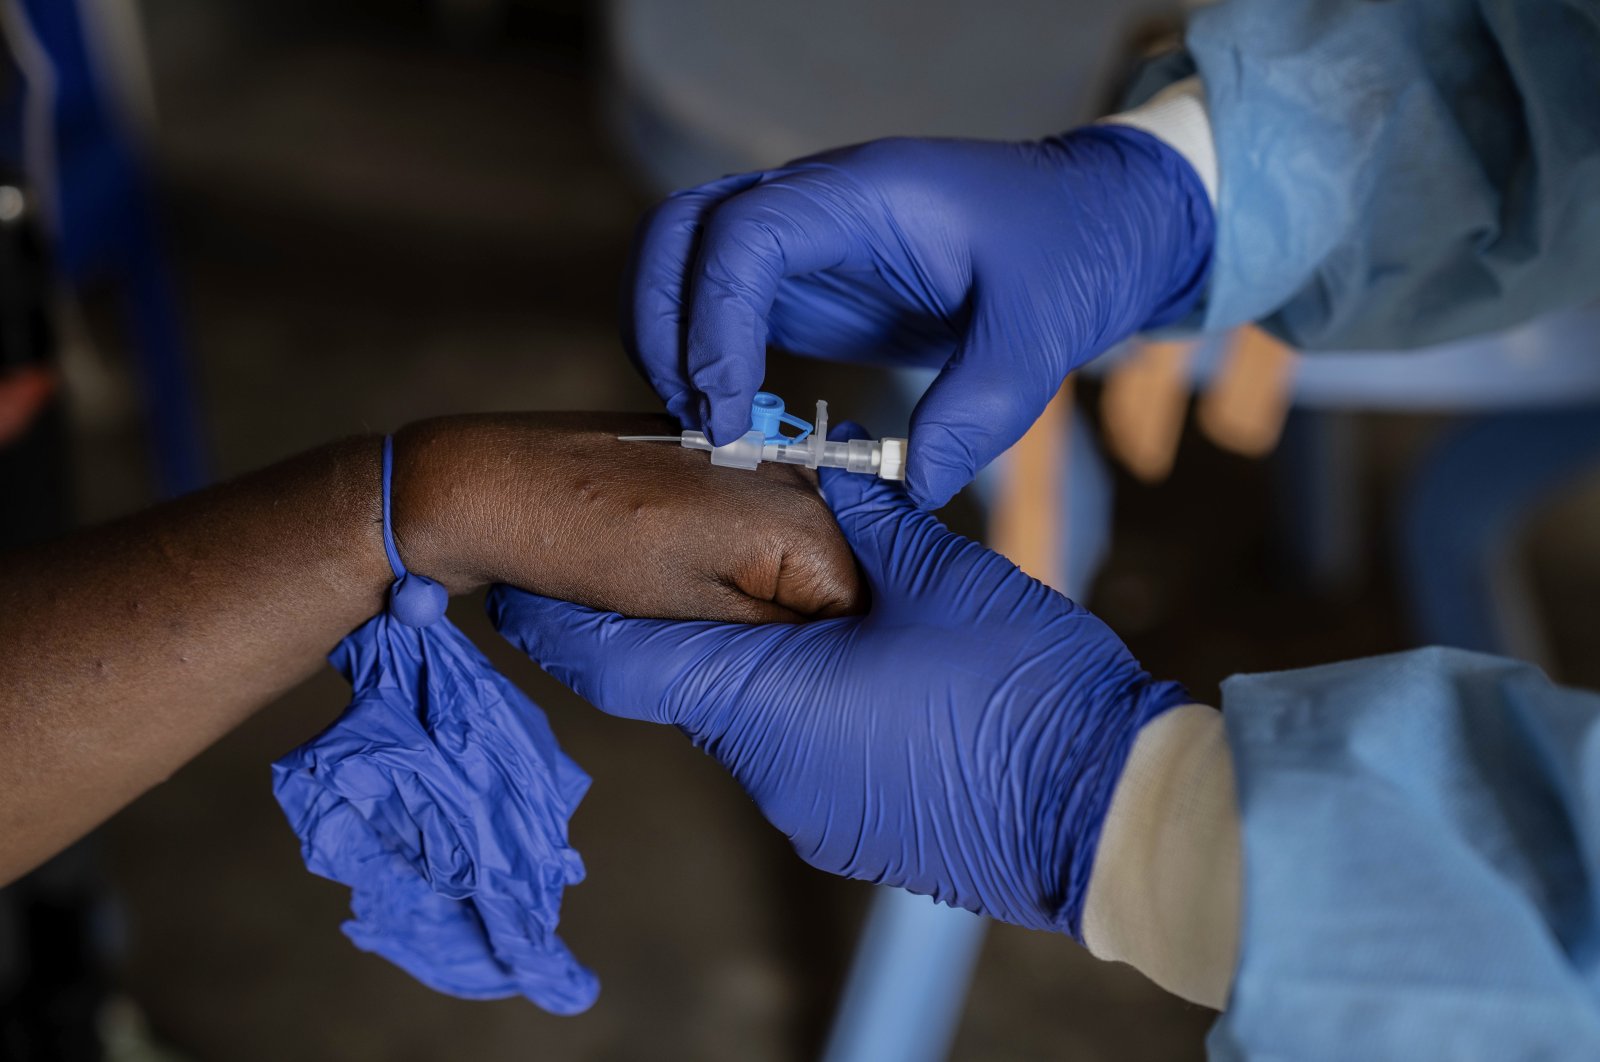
[{"x": 551, "y": 502}]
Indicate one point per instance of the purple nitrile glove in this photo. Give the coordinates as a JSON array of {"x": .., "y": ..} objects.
[{"x": 1007, "y": 265}]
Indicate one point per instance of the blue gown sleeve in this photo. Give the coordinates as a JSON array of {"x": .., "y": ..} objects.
[
  {"x": 1421, "y": 837},
  {"x": 1401, "y": 174}
]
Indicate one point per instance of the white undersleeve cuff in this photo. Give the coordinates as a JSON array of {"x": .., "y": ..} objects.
[
  {"x": 1177, "y": 116},
  {"x": 1164, "y": 893}
]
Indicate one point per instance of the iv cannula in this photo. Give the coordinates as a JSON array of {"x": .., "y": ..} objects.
[{"x": 884, "y": 458}]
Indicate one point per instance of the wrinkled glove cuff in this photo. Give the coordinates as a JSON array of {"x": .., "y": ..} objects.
[{"x": 1095, "y": 776}]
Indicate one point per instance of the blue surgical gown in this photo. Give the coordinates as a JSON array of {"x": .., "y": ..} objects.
[
  {"x": 1399, "y": 174},
  {"x": 1421, "y": 845}
]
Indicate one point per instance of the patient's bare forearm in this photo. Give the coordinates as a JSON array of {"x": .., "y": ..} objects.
[{"x": 126, "y": 650}]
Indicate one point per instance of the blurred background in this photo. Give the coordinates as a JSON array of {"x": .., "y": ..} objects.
[{"x": 308, "y": 219}]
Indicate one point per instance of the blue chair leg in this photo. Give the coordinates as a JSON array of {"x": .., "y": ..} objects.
[
  {"x": 914, "y": 962},
  {"x": 177, "y": 434},
  {"x": 908, "y": 985},
  {"x": 1467, "y": 501},
  {"x": 81, "y": 152},
  {"x": 1318, "y": 498},
  {"x": 1086, "y": 499}
]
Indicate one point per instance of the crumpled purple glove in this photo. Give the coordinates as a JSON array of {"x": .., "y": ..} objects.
[
  {"x": 1006, "y": 265},
  {"x": 441, "y": 798}
]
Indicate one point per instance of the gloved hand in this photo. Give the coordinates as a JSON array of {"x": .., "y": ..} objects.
[
  {"x": 961, "y": 739},
  {"x": 1008, "y": 264}
]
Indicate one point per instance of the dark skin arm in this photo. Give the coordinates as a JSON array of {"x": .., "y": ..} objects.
[{"x": 127, "y": 649}]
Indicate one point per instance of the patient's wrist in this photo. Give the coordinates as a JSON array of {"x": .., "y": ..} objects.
[{"x": 452, "y": 510}]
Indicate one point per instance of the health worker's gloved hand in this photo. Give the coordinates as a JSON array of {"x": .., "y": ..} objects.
[
  {"x": 961, "y": 739},
  {"x": 1006, "y": 264}
]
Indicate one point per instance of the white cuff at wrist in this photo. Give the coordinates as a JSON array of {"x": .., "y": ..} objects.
[
  {"x": 1177, "y": 116},
  {"x": 1164, "y": 893}
]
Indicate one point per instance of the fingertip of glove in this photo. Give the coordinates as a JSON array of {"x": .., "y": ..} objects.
[
  {"x": 720, "y": 421},
  {"x": 520, "y": 615},
  {"x": 500, "y": 601},
  {"x": 682, "y": 406},
  {"x": 931, "y": 492},
  {"x": 852, "y": 493},
  {"x": 508, "y": 609},
  {"x": 939, "y": 462}
]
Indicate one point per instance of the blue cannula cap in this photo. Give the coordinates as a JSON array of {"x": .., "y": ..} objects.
[{"x": 767, "y": 417}]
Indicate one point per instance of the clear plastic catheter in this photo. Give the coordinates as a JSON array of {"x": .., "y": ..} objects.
[{"x": 884, "y": 458}]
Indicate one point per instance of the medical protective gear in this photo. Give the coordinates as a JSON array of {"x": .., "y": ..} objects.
[
  {"x": 1421, "y": 833},
  {"x": 441, "y": 798},
  {"x": 1005, "y": 264},
  {"x": 1393, "y": 175},
  {"x": 961, "y": 739}
]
